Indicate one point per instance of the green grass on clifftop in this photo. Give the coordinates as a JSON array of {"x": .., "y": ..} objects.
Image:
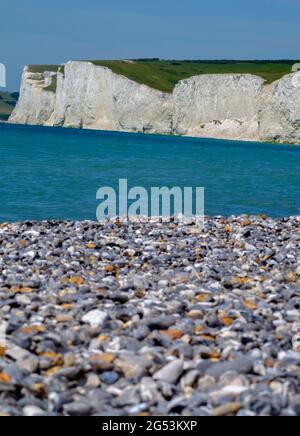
[
  {"x": 52, "y": 68},
  {"x": 43, "y": 68},
  {"x": 7, "y": 104},
  {"x": 164, "y": 75}
]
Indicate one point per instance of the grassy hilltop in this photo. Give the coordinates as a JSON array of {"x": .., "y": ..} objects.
[
  {"x": 7, "y": 104},
  {"x": 164, "y": 74}
]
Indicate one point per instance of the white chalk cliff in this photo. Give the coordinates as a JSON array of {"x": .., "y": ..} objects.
[{"x": 229, "y": 106}]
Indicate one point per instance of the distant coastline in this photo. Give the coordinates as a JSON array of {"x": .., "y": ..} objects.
[
  {"x": 228, "y": 103},
  {"x": 8, "y": 102}
]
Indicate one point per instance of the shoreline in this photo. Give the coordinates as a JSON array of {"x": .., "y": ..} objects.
[
  {"x": 196, "y": 221},
  {"x": 254, "y": 141},
  {"x": 154, "y": 318}
]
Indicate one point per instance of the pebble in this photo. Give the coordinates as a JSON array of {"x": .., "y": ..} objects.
[
  {"x": 296, "y": 343},
  {"x": 170, "y": 373},
  {"x": 150, "y": 318},
  {"x": 109, "y": 377},
  {"x": 132, "y": 366},
  {"x": 93, "y": 381},
  {"x": 29, "y": 364},
  {"x": 96, "y": 318},
  {"x": 77, "y": 408},
  {"x": 242, "y": 365},
  {"x": 160, "y": 323},
  {"x": 33, "y": 411},
  {"x": 227, "y": 409}
]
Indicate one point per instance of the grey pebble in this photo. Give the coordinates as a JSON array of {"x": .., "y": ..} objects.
[
  {"x": 170, "y": 373},
  {"x": 243, "y": 365}
]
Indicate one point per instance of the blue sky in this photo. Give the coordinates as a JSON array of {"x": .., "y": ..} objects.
[{"x": 35, "y": 31}]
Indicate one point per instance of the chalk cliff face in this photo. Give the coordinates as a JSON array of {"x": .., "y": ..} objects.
[
  {"x": 35, "y": 104},
  {"x": 279, "y": 112},
  {"x": 89, "y": 96},
  {"x": 229, "y": 106},
  {"x": 220, "y": 106}
]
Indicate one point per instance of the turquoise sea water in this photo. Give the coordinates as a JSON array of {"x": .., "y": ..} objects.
[{"x": 48, "y": 173}]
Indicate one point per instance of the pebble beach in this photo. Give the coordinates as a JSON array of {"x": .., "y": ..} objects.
[{"x": 150, "y": 318}]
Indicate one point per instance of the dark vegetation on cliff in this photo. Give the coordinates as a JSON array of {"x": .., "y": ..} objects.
[
  {"x": 51, "y": 68},
  {"x": 7, "y": 104},
  {"x": 164, "y": 74}
]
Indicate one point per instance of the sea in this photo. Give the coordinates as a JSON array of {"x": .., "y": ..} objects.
[{"x": 54, "y": 173}]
